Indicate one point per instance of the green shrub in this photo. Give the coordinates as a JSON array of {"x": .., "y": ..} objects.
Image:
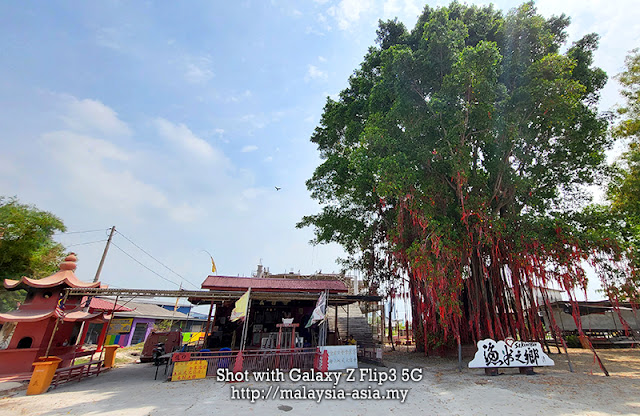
[{"x": 573, "y": 341}]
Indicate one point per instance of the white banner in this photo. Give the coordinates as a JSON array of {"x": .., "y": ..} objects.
[{"x": 509, "y": 353}]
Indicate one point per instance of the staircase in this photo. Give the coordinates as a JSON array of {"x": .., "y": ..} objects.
[{"x": 357, "y": 324}]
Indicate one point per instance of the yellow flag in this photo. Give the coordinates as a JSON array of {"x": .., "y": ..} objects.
[
  {"x": 240, "y": 311},
  {"x": 213, "y": 265}
]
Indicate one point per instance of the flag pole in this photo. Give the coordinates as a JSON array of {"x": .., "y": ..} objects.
[
  {"x": 175, "y": 308},
  {"x": 325, "y": 324},
  {"x": 208, "y": 327},
  {"x": 246, "y": 322},
  {"x": 213, "y": 263},
  {"x": 60, "y": 318}
]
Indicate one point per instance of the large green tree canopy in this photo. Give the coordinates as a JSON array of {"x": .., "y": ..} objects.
[
  {"x": 26, "y": 245},
  {"x": 624, "y": 189},
  {"x": 458, "y": 157}
]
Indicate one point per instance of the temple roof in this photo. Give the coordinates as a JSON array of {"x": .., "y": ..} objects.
[
  {"x": 65, "y": 276},
  {"x": 27, "y": 315},
  {"x": 262, "y": 284},
  {"x": 30, "y": 315}
]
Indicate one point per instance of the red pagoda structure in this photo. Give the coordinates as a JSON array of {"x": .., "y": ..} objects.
[{"x": 46, "y": 322}]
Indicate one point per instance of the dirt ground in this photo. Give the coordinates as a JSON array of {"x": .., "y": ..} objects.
[{"x": 131, "y": 389}]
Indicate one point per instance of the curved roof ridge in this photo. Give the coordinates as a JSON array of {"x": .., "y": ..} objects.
[{"x": 64, "y": 276}]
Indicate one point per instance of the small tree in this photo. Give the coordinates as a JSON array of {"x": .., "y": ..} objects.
[{"x": 26, "y": 246}]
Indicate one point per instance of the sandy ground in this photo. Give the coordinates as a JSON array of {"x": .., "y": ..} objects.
[{"x": 131, "y": 389}]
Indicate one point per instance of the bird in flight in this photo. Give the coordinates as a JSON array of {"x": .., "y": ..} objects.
[{"x": 277, "y": 188}]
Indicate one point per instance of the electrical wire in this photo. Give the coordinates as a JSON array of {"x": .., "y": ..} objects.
[
  {"x": 137, "y": 261},
  {"x": 161, "y": 263},
  {"x": 88, "y": 242},
  {"x": 80, "y": 232}
]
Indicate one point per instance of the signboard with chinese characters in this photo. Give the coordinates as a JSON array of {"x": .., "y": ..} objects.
[
  {"x": 181, "y": 356},
  {"x": 340, "y": 356},
  {"x": 189, "y": 370},
  {"x": 509, "y": 353},
  {"x": 120, "y": 325}
]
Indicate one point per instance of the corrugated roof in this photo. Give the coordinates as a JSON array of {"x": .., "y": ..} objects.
[
  {"x": 106, "y": 305},
  {"x": 147, "y": 310},
  {"x": 261, "y": 284}
]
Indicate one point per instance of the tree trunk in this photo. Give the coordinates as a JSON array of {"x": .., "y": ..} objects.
[{"x": 417, "y": 322}]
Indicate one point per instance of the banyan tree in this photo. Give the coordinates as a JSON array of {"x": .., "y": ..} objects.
[{"x": 459, "y": 158}]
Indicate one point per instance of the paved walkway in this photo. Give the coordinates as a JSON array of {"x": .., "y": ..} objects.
[{"x": 132, "y": 390}]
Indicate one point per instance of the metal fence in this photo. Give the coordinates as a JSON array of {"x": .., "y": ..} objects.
[{"x": 255, "y": 360}]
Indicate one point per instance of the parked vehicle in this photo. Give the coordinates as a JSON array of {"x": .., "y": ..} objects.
[
  {"x": 158, "y": 352},
  {"x": 171, "y": 342}
]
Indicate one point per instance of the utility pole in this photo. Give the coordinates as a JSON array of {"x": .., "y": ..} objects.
[{"x": 104, "y": 254}]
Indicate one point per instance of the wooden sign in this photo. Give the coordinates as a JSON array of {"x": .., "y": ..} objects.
[
  {"x": 180, "y": 356},
  {"x": 120, "y": 325},
  {"x": 509, "y": 353},
  {"x": 189, "y": 370}
]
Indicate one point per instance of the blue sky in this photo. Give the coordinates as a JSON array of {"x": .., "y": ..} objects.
[{"x": 175, "y": 121}]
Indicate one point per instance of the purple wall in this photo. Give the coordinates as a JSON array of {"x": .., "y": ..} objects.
[{"x": 126, "y": 341}]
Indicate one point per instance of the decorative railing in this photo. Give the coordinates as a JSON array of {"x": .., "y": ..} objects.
[{"x": 254, "y": 360}]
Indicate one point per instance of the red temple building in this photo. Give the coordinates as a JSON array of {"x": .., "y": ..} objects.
[{"x": 46, "y": 322}]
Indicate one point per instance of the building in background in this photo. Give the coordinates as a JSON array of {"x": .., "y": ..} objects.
[{"x": 134, "y": 320}]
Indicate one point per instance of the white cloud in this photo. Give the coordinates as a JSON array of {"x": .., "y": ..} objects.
[
  {"x": 256, "y": 121},
  {"x": 101, "y": 175},
  {"x": 405, "y": 10},
  {"x": 128, "y": 180},
  {"x": 249, "y": 148},
  {"x": 253, "y": 193},
  {"x": 314, "y": 73},
  {"x": 109, "y": 37},
  {"x": 81, "y": 147},
  {"x": 91, "y": 116},
  {"x": 96, "y": 170},
  {"x": 619, "y": 28},
  {"x": 198, "y": 69},
  {"x": 334, "y": 96},
  {"x": 239, "y": 97},
  {"x": 181, "y": 136},
  {"x": 311, "y": 31},
  {"x": 277, "y": 115},
  {"x": 348, "y": 12},
  {"x": 322, "y": 59}
]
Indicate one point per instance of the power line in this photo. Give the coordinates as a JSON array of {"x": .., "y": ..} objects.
[
  {"x": 141, "y": 264},
  {"x": 161, "y": 263},
  {"x": 80, "y": 232},
  {"x": 88, "y": 242}
]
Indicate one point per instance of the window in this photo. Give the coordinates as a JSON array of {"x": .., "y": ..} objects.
[
  {"x": 29, "y": 297},
  {"x": 93, "y": 333},
  {"x": 25, "y": 342},
  {"x": 138, "y": 333}
]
